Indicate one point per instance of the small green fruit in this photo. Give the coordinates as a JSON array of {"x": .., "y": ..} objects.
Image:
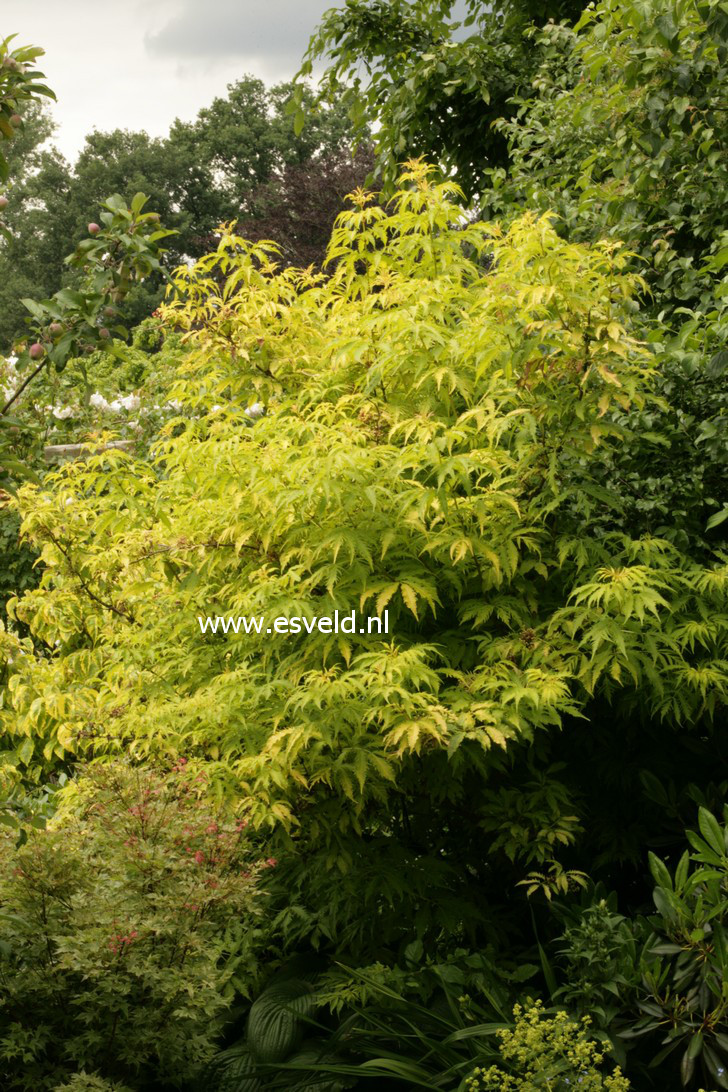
[
  {"x": 36, "y": 351},
  {"x": 93, "y": 229}
]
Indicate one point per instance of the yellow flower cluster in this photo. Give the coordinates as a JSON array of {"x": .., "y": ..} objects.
[{"x": 547, "y": 1052}]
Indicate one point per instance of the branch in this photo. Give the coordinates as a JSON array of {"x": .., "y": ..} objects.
[
  {"x": 92, "y": 595},
  {"x": 22, "y": 387},
  {"x": 192, "y": 546}
]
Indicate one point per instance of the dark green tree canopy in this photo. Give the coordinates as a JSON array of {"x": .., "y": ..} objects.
[{"x": 435, "y": 84}]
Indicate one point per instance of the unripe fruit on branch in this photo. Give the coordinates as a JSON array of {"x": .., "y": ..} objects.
[
  {"x": 36, "y": 351},
  {"x": 15, "y": 119},
  {"x": 93, "y": 229},
  {"x": 3, "y": 202},
  {"x": 55, "y": 329},
  {"x": 109, "y": 311},
  {"x": 104, "y": 333}
]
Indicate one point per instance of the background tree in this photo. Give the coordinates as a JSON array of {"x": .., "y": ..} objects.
[
  {"x": 294, "y": 208},
  {"x": 203, "y": 173},
  {"x": 433, "y": 85}
]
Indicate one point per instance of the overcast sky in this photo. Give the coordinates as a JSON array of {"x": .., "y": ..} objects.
[{"x": 139, "y": 65}]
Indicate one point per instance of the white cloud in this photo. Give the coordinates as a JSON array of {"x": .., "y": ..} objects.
[
  {"x": 275, "y": 32},
  {"x": 138, "y": 65}
]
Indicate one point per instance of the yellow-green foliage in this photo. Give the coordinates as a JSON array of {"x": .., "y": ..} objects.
[
  {"x": 430, "y": 412},
  {"x": 548, "y": 1054}
]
